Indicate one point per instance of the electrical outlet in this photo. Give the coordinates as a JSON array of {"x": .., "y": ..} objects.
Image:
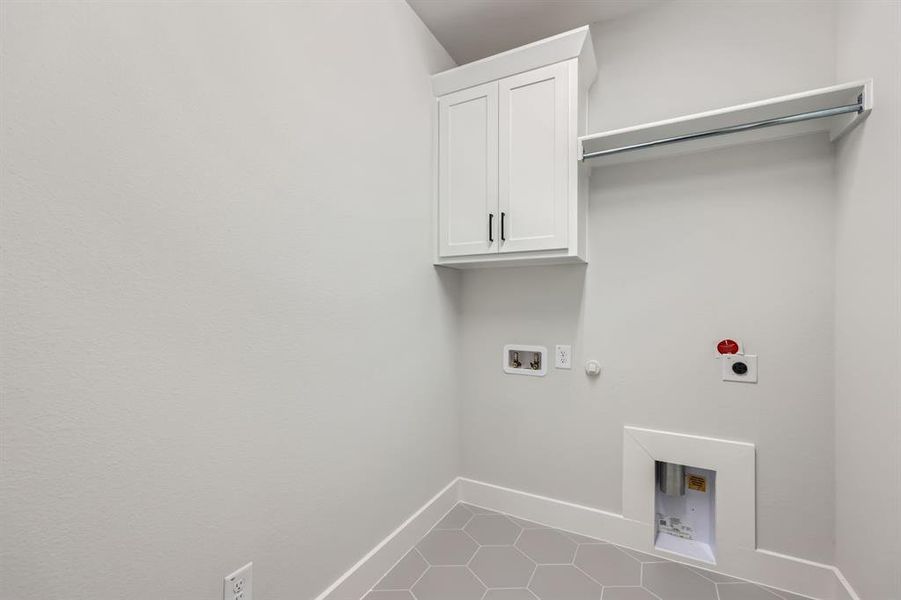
[
  {"x": 239, "y": 585},
  {"x": 740, "y": 367},
  {"x": 564, "y": 358}
]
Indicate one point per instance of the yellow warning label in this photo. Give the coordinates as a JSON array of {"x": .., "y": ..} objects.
[{"x": 697, "y": 483}]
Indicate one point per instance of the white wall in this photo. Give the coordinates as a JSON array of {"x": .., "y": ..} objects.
[
  {"x": 868, "y": 309},
  {"x": 216, "y": 233},
  {"x": 682, "y": 252}
]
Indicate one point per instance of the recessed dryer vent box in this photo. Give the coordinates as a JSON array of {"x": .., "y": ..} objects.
[
  {"x": 520, "y": 359},
  {"x": 685, "y": 509}
]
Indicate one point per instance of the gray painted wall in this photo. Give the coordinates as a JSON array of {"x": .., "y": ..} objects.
[
  {"x": 211, "y": 254},
  {"x": 868, "y": 309},
  {"x": 682, "y": 252},
  {"x": 178, "y": 301}
]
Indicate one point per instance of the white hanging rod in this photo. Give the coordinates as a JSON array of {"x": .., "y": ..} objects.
[{"x": 796, "y": 118}]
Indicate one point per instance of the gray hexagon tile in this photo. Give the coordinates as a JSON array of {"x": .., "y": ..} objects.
[
  {"x": 563, "y": 582},
  {"x": 478, "y": 554},
  {"x": 744, "y": 591},
  {"x": 491, "y": 530},
  {"x": 502, "y": 567},
  {"x": 547, "y": 546},
  {"x": 527, "y": 524},
  {"x": 641, "y": 556},
  {"x": 513, "y": 594},
  {"x": 447, "y": 547},
  {"x": 607, "y": 565},
  {"x": 389, "y": 595},
  {"x": 404, "y": 574},
  {"x": 478, "y": 510},
  {"x": 582, "y": 539},
  {"x": 783, "y": 595},
  {"x": 627, "y": 593},
  {"x": 456, "y": 518},
  {"x": 671, "y": 581},
  {"x": 448, "y": 583},
  {"x": 714, "y": 576}
]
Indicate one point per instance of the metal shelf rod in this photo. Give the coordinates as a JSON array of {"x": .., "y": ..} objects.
[{"x": 807, "y": 116}]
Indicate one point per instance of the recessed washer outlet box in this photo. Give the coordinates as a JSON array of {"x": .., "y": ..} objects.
[
  {"x": 729, "y": 489},
  {"x": 685, "y": 511},
  {"x": 522, "y": 359}
]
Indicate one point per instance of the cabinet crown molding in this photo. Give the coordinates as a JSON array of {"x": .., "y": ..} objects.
[{"x": 571, "y": 44}]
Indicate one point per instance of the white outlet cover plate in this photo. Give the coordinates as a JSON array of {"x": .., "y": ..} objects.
[
  {"x": 748, "y": 359},
  {"x": 564, "y": 357},
  {"x": 239, "y": 585}
]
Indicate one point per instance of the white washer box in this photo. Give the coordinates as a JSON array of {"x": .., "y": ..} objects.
[
  {"x": 525, "y": 356},
  {"x": 734, "y": 518}
]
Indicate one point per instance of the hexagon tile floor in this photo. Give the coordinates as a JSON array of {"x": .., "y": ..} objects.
[{"x": 478, "y": 554}]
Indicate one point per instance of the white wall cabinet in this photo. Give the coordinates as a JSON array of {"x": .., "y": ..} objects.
[
  {"x": 467, "y": 171},
  {"x": 534, "y": 158},
  {"x": 509, "y": 186}
]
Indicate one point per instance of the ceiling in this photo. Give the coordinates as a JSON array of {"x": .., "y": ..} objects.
[{"x": 474, "y": 29}]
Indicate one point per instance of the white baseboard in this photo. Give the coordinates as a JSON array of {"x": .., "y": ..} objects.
[
  {"x": 361, "y": 577},
  {"x": 772, "y": 569}
]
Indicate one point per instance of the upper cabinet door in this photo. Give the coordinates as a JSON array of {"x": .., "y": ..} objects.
[
  {"x": 467, "y": 172},
  {"x": 534, "y": 159}
]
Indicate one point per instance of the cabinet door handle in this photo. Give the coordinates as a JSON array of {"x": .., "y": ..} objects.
[
  {"x": 490, "y": 227},
  {"x": 503, "y": 237}
]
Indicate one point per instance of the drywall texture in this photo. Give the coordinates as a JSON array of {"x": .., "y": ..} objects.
[
  {"x": 868, "y": 309},
  {"x": 221, "y": 328},
  {"x": 682, "y": 252}
]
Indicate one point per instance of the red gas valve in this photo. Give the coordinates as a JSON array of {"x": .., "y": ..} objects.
[{"x": 728, "y": 346}]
